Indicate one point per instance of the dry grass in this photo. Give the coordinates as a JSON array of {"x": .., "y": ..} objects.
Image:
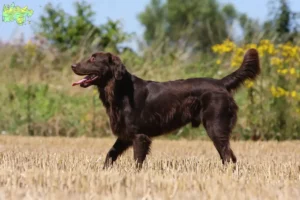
[{"x": 62, "y": 168}]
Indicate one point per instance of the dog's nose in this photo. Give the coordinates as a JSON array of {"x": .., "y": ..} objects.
[{"x": 73, "y": 66}]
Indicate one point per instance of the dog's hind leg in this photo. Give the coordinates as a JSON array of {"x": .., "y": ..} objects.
[
  {"x": 222, "y": 145},
  {"x": 218, "y": 122},
  {"x": 117, "y": 149},
  {"x": 141, "y": 147},
  {"x": 221, "y": 141},
  {"x": 233, "y": 157}
]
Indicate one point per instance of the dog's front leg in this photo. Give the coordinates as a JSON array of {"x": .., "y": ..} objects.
[
  {"x": 117, "y": 149},
  {"x": 141, "y": 147}
]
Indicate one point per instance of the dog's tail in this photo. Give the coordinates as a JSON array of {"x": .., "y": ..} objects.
[{"x": 249, "y": 69}]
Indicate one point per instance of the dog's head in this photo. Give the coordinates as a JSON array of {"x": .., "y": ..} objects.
[{"x": 99, "y": 68}]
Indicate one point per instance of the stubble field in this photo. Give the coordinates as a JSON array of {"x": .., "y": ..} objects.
[{"x": 63, "y": 168}]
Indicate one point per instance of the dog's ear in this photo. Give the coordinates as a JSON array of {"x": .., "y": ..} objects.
[{"x": 118, "y": 67}]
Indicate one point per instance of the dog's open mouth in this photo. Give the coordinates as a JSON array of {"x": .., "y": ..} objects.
[{"x": 86, "y": 81}]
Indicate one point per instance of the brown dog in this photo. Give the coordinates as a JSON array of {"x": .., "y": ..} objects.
[{"x": 140, "y": 109}]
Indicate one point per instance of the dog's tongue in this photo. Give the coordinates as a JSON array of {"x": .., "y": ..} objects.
[{"x": 80, "y": 81}]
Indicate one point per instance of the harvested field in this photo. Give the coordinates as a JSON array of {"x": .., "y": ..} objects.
[{"x": 63, "y": 168}]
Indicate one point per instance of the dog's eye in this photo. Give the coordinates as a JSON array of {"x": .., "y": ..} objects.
[{"x": 92, "y": 59}]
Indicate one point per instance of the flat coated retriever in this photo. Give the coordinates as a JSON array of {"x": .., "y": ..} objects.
[{"x": 141, "y": 109}]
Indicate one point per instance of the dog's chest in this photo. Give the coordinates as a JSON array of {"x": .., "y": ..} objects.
[
  {"x": 120, "y": 119},
  {"x": 116, "y": 120}
]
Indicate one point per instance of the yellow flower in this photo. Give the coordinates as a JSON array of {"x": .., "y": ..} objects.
[
  {"x": 249, "y": 84},
  {"x": 237, "y": 57},
  {"x": 276, "y": 61},
  {"x": 95, "y": 92},
  {"x": 273, "y": 90},
  {"x": 293, "y": 93},
  {"x": 266, "y": 47},
  {"x": 226, "y": 47},
  {"x": 30, "y": 48},
  {"x": 288, "y": 50},
  {"x": 292, "y": 71},
  {"x": 218, "y": 62},
  {"x": 251, "y": 46},
  {"x": 278, "y": 92},
  {"x": 271, "y": 49},
  {"x": 282, "y": 71},
  {"x": 281, "y": 91}
]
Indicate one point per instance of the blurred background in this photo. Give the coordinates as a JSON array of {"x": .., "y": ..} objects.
[{"x": 156, "y": 39}]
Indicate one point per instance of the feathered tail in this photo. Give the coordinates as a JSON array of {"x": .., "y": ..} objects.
[{"x": 249, "y": 69}]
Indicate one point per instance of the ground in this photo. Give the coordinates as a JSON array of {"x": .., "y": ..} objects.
[{"x": 65, "y": 168}]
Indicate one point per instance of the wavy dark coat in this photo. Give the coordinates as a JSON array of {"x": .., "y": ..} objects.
[{"x": 141, "y": 109}]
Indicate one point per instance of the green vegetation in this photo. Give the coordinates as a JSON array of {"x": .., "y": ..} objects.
[
  {"x": 181, "y": 41},
  {"x": 68, "y": 32}
]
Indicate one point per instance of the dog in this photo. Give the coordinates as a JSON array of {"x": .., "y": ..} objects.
[{"x": 139, "y": 110}]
